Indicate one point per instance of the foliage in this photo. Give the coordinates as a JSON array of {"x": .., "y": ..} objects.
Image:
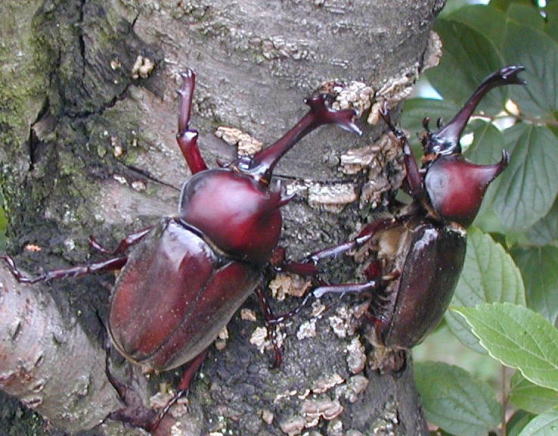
[{"x": 506, "y": 302}]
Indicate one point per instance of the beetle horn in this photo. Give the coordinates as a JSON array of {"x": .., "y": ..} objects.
[
  {"x": 446, "y": 140},
  {"x": 277, "y": 198},
  {"x": 320, "y": 113}
]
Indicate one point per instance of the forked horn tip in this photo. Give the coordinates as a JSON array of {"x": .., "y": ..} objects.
[{"x": 510, "y": 73}]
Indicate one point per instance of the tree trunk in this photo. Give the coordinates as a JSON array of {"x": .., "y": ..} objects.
[{"x": 88, "y": 117}]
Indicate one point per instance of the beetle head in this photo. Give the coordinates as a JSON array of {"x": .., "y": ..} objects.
[
  {"x": 454, "y": 185},
  {"x": 235, "y": 207}
]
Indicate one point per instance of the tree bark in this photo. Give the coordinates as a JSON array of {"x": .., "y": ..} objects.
[{"x": 88, "y": 117}]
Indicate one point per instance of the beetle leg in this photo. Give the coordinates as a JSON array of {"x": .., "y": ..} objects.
[
  {"x": 414, "y": 178},
  {"x": 187, "y": 138},
  {"x": 364, "y": 236},
  {"x": 373, "y": 283},
  {"x": 279, "y": 264},
  {"x": 76, "y": 271},
  {"x": 307, "y": 266},
  {"x": 347, "y": 287},
  {"x": 190, "y": 371},
  {"x": 269, "y": 319},
  {"x": 123, "y": 245},
  {"x": 134, "y": 413}
]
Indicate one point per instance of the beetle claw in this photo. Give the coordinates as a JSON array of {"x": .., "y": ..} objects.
[
  {"x": 385, "y": 113},
  {"x": 156, "y": 421}
]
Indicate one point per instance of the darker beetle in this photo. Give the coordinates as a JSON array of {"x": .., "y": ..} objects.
[
  {"x": 211, "y": 254},
  {"x": 424, "y": 245}
]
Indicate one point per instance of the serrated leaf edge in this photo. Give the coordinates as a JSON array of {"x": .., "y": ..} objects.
[{"x": 501, "y": 360}]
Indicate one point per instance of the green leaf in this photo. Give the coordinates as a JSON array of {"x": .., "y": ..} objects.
[
  {"x": 453, "y": 6},
  {"x": 538, "y": 52},
  {"x": 505, "y": 4},
  {"x": 517, "y": 422},
  {"x": 527, "y": 189},
  {"x": 468, "y": 58},
  {"x": 487, "y": 219},
  {"x": 539, "y": 267},
  {"x": 486, "y": 148},
  {"x": 487, "y": 145},
  {"x": 517, "y": 337},
  {"x": 416, "y": 109},
  {"x": 530, "y": 397},
  {"x": 545, "y": 231},
  {"x": 488, "y": 21},
  {"x": 489, "y": 275},
  {"x": 542, "y": 425},
  {"x": 526, "y": 14},
  {"x": 454, "y": 400},
  {"x": 551, "y": 27}
]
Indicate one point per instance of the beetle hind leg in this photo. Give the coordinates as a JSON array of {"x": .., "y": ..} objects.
[
  {"x": 137, "y": 415},
  {"x": 190, "y": 371},
  {"x": 134, "y": 413}
]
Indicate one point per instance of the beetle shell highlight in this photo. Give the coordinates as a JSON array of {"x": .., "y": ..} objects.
[
  {"x": 430, "y": 258},
  {"x": 173, "y": 284}
]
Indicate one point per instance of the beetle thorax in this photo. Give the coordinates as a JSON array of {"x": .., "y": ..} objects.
[
  {"x": 237, "y": 214},
  {"x": 456, "y": 187}
]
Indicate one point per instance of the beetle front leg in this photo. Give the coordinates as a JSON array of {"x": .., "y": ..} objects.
[
  {"x": 320, "y": 291},
  {"x": 269, "y": 319},
  {"x": 76, "y": 271},
  {"x": 308, "y": 265},
  {"x": 187, "y": 138},
  {"x": 413, "y": 177}
]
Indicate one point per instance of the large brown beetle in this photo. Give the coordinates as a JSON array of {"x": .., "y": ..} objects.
[
  {"x": 422, "y": 248},
  {"x": 211, "y": 255}
]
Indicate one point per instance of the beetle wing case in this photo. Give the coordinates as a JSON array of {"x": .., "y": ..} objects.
[
  {"x": 171, "y": 287},
  {"x": 430, "y": 260}
]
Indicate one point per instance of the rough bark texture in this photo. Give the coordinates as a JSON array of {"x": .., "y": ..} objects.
[{"x": 88, "y": 148}]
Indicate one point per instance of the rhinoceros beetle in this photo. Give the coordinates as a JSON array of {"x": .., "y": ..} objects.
[
  {"x": 211, "y": 254},
  {"x": 422, "y": 248}
]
